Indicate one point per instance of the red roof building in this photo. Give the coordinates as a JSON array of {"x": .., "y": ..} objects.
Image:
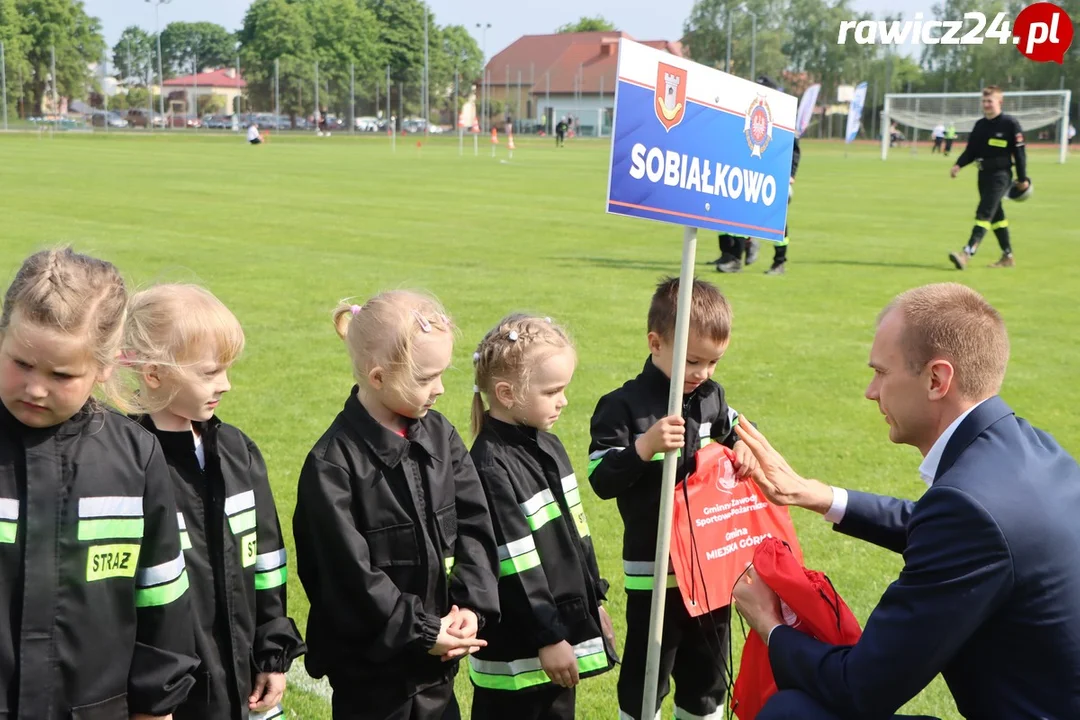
[
  {"x": 548, "y": 77},
  {"x": 217, "y": 91}
]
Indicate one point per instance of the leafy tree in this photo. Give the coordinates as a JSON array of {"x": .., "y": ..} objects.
[
  {"x": 587, "y": 24},
  {"x": 132, "y": 54},
  {"x": 278, "y": 30},
  {"x": 183, "y": 44},
  {"x": 62, "y": 25}
]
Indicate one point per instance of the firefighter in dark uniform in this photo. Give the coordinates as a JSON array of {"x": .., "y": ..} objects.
[
  {"x": 694, "y": 651},
  {"x": 995, "y": 142},
  {"x": 235, "y": 555},
  {"x": 544, "y": 604},
  {"x": 391, "y": 532},
  {"x": 732, "y": 247},
  {"x": 560, "y": 132}
]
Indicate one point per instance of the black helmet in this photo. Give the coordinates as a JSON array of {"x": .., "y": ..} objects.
[{"x": 1021, "y": 195}]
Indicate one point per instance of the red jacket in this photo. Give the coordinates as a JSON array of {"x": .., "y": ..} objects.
[{"x": 812, "y": 605}]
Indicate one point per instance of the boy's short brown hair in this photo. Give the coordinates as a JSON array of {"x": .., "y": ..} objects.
[
  {"x": 710, "y": 312},
  {"x": 992, "y": 90}
]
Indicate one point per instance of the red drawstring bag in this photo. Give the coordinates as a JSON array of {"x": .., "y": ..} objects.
[
  {"x": 717, "y": 523},
  {"x": 810, "y": 604}
]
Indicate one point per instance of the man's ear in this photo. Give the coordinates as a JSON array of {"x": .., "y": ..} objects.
[{"x": 940, "y": 376}]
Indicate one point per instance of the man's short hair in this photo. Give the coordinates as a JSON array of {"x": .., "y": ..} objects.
[
  {"x": 710, "y": 312},
  {"x": 952, "y": 322},
  {"x": 992, "y": 90}
]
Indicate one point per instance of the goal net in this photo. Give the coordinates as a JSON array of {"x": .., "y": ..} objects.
[{"x": 1041, "y": 109}]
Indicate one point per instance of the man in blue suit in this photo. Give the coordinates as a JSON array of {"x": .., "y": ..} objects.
[{"x": 989, "y": 595}]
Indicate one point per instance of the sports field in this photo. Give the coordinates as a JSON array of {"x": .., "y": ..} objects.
[{"x": 283, "y": 231}]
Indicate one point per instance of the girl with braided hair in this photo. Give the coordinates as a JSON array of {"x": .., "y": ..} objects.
[{"x": 554, "y": 630}]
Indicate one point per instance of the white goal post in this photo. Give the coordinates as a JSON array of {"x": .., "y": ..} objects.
[{"x": 923, "y": 111}]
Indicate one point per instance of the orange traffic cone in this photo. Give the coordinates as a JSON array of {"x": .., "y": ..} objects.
[
  {"x": 510, "y": 142},
  {"x": 494, "y": 136},
  {"x": 475, "y": 125}
]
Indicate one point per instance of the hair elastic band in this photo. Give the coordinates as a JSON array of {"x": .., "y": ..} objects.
[
  {"x": 355, "y": 310},
  {"x": 547, "y": 320},
  {"x": 476, "y": 357},
  {"x": 476, "y": 388},
  {"x": 513, "y": 336},
  {"x": 424, "y": 324}
]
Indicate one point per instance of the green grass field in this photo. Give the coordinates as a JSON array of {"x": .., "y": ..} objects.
[{"x": 282, "y": 232}]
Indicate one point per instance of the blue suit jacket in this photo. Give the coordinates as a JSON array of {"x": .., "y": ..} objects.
[{"x": 990, "y": 591}]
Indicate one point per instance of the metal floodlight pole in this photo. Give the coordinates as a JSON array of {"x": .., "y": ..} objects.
[
  {"x": 277, "y": 96},
  {"x": 161, "y": 78},
  {"x": 3, "y": 88},
  {"x": 239, "y": 90},
  {"x": 667, "y": 492},
  {"x": 195, "y": 97},
  {"x": 727, "y": 56},
  {"x": 317, "y": 115},
  {"x": 484, "y": 91},
  {"x": 56, "y": 101},
  {"x": 753, "y": 46},
  {"x": 352, "y": 98},
  {"x": 104, "y": 89},
  {"x": 425, "y": 103}
]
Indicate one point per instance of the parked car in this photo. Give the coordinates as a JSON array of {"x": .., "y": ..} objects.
[
  {"x": 100, "y": 118},
  {"x": 367, "y": 124},
  {"x": 141, "y": 117}
]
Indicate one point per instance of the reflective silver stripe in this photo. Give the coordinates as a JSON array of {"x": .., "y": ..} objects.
[
  {"x": 9, "y": 509},
  {"x": 601, "y": 453},
  {"x": 705, "y": 430},
  {"x": 110, "y": 506},
  {"x": 680, "y": 714},
  {"x": 516, "y": 667},
  {"x": 240, "y": 502},
  {"x": 163, "y": 573},
  {"x": 537, "y": 501},
  {"x": 180, "y": 521},
  {"x": 623, "y": 715},
  {"x": 517, "y": 547},
  {"x": 270, "y": 560},
  {"x": 732, "y": 416},
  {"x": 642, "y": 567},
  {"x": 569, "y": 482}
]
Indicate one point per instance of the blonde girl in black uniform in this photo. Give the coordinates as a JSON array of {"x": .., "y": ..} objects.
[
  {"x": 93, "y": 587},
  {"x": 183, "y": 341},
  {"x": 554, "y": 630},
  {"x": 393, "y": 540}
]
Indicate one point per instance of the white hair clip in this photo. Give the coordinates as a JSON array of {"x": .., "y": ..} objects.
[
  {"x": 547, "y": 320},
  {"x": 476, "y": 357},
  {"x": 424, "y": 324},
  {"x": 513, "y": 336},
  {"x": 476, "y": 388}
]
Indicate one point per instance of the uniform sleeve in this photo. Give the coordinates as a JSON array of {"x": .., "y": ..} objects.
[
  {"x": 796, "y": 156},
  {"x": 523, "y": 584},
  {"x": 367, "y": 612},
  {"x": 614, "y": 464},
  {"x": 277, "y": 640},
  {"x": 723, "y": 428},
  {"x": 1019, "y": 151},
  {"x": 473, "y": 582},
  {"x": 164, "y": 656},
  {"x": 970, "y": 153}
]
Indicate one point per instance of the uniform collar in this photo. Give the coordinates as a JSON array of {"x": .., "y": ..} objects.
[
  {"x": 656, "y": 377},
  {"x": 521, "y": 435},
  {"x": 72, "y": 426},
  {"x": 387, "y": 445}
]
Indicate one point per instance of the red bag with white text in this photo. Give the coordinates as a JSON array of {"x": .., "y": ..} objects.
[{"x": 717, "y": 523}]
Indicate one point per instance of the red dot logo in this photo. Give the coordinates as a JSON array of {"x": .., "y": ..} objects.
[{"x": 1043, "y": 32}]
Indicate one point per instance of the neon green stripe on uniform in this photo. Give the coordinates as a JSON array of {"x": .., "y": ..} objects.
[
  {"x": 8, "y": 531},
  {"x": 543, "y": 516},
  {"x": 449, "y": 563},
  {"x": 243, "y": 521},
  {"x": 271, "y": 578},
  {"x": 526, "y": 673},
  {"x": 162, "y": 594},
  {"x": 644, "y": 582},
  {"x": 110, "y": 528},
  {"x": 520, "y": 563},
  {"x": 185, "y": 541}
]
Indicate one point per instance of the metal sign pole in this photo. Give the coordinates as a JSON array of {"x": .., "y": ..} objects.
[{"x": 667, "y": 492}]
